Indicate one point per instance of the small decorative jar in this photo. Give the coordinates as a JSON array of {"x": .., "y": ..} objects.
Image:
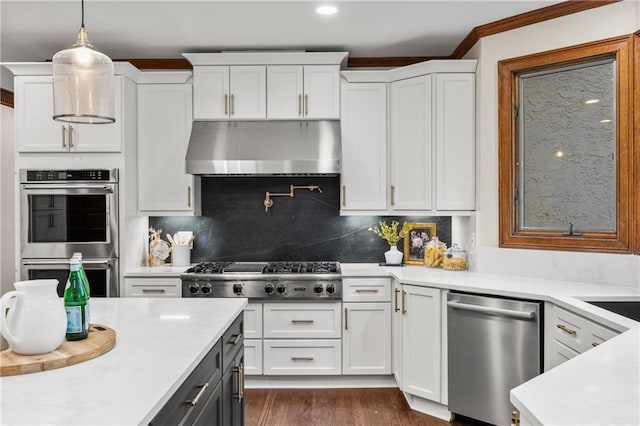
[
  {"x": 455, "y": 259},
  {"x": 434, "y": 253}
]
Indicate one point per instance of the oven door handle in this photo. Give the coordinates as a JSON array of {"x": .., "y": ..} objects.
[
  {"x": 107, "y": 263},
  {"x": 68, "y": 189}
]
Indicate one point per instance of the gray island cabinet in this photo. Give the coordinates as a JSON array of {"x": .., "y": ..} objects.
[{"x": 175, "y": 361}]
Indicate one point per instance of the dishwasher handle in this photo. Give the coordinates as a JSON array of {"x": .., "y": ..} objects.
[{"x": 490, "y": 310}]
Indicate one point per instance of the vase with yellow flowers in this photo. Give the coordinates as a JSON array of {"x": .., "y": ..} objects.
[{"x": 391, "y": 235}]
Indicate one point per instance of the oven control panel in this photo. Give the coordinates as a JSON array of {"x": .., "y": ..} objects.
[
  {"x": 99, "y": 175},
  {"x": 265, "y": 289}
]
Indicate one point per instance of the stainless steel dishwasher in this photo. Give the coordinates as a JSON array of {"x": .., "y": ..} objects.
[{"x": 494, "y": 345}]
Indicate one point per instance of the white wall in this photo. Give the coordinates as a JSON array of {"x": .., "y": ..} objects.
[
  {"x": 600, "y": 23},
  {"x": 7, "y": 233}
]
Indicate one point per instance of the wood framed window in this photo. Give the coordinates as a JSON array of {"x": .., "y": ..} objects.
[{"x": 566, "y": 149}]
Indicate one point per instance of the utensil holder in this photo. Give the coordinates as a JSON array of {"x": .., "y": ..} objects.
[{"x": 181, "y": 255}]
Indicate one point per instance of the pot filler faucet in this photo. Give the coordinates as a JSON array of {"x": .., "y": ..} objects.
[{"x": 268, "y": 202}]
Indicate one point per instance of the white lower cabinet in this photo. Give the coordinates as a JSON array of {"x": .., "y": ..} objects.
[
  {"x": 366, "y": 334},
  {"x": 253, "y": 357},
  {"x": 567, "y": 334},
  {"x": 302, "y": 338},
  {"x": 152, "y": 287},
  {"x": 253, "y": 321},
  {"x": 421, "y": 342},
  {"x": 396, "y": 334},
  {"x": 302, "y": 357}
]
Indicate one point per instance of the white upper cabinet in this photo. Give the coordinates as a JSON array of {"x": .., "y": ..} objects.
[
  {"x": 364, "y": 147},
  {"x": 430, "y": 143},
  {"x": 303, "y": 92},
  {"x": 164, "y": 126},
  {"x": 36, "y": 131},
  {"x": 229, "y": 93},
  {"x": 455, "y": 141},
  {"x": 411, "y": 144},
  {"x": 266, "y": 85}
]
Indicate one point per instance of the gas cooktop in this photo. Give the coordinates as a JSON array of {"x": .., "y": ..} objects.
[{"x": 264, "y": 280}]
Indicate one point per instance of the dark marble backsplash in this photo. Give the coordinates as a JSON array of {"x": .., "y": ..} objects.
[{"x": 235, "y": 226}]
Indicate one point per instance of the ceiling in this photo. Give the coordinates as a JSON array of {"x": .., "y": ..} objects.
[{"x": 35, "y": 30}]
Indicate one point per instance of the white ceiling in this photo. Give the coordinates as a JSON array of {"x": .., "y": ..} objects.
[{"x": 35, "y": 30}]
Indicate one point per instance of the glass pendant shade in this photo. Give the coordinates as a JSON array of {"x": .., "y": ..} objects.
[{"x": 83, "y": 87}]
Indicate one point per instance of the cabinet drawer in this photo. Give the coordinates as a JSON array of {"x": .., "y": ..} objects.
[
  {"x": 232, "y": 341},
  {"x": 152, "y": 287},
  {"x": 575, "y": 331},
  {"x": 253, "y": 357},
  {"x": 302, "y": 357},
  {"x": 253, "y": 321},
  {"x": 366, "y": 289},
  {"x": 302, "y": 320},
  {"x": 208, "y": 372}
]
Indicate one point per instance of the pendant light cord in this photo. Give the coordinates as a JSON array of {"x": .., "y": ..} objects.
[{"x": 82, "y": 8}]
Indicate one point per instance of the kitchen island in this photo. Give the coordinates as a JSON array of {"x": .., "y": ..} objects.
[{"x": 159, "y": 342}]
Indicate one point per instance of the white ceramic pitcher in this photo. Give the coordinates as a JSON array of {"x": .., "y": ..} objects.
[{"x": 36, "y": 321}]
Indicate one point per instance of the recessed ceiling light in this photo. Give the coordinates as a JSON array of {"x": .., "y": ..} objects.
[
  {"x": 606, "y": 120},
  {"x": 592, "y": 101},
  {"x": 327, "y": 10},
  {"x": 559, "y": 154}
]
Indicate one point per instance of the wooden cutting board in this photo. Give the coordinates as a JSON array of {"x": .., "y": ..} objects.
[{"x": 101, "y": 339}]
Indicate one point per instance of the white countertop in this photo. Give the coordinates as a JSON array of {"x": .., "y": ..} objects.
[
  {"x": 601, "y": 386},
  {"x": 598, "y": 387},
  {"x": 158, "y": 343},
  {"x": 167, "y": 270}
]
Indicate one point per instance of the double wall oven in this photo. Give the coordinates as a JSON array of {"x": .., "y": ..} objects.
[{"x": 67, "y": 211}]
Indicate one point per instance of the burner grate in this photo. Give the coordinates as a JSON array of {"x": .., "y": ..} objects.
[{"x": 208, "y": 267}]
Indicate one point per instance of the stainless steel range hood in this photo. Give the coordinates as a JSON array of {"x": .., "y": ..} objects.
[{"x": 264, "y": 148}]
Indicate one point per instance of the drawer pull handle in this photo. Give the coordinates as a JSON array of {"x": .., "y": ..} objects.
[
  {"x": 235, "y": 339},
  {"x": 301, "y": 358},
  {"x": 594, "y": 344},
  {"x": 566, "y": 329},
  {"x": 64, "y": 136},
  {"x": 366, "y": 290},
  {"x": 404, "y": 309},
  {"x": 294, "y": 321},
  {"x": 195, "y": 400},
  {"x": 153, "y": 290},
  {"x": 226, "y": 105}
]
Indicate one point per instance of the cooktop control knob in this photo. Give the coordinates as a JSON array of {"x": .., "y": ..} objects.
[
  {"x": 205, "y": 288},
  {"x": 281, "y": 288},
  {"x": 194, "y": 288},
  {"x": 318, "y": 288},
  {"x": 237, "y": 288},
  {"x": 268, "y": 288},
  {"x": 331, "y": 288}
]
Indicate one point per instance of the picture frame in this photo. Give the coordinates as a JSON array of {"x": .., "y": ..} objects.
[{"x": 419, "y": 235}]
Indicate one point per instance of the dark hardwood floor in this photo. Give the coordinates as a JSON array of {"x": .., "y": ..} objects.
[{"x": 334, "y": 407}]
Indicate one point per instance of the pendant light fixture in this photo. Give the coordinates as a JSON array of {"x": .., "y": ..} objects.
[{"x": 83, "y": 83}]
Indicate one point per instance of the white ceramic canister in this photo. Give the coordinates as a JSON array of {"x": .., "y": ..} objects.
[{"x": 33, "y": 319}]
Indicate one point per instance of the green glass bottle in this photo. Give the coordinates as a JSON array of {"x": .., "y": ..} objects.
[
  {"x": 76, "y": 300},
  {"x": 85, "y": 281}
]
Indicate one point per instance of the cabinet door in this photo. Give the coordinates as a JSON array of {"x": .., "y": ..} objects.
[
  {"x": 421, "y": 342},
  {"x": 253, "y": 357},
  {"x": 233, "y": 392},
  {"x": 366, "y": 338},
  {"x": 164, "y": 126},
  {"x": 321, "y": 92},
  {"x": 396, "y": 333},
  {"x": 36, "y": 131},
  {"x": 284, "y": 88},
  {"x": 248, "y": 92},
  {"x": 364, "y": 146},
  {"x": 411, "y": 144},
  {"x": 455, "y": 141},
  {"x": 211, "y": 92},
  {"x": 253, "y": 321}
]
